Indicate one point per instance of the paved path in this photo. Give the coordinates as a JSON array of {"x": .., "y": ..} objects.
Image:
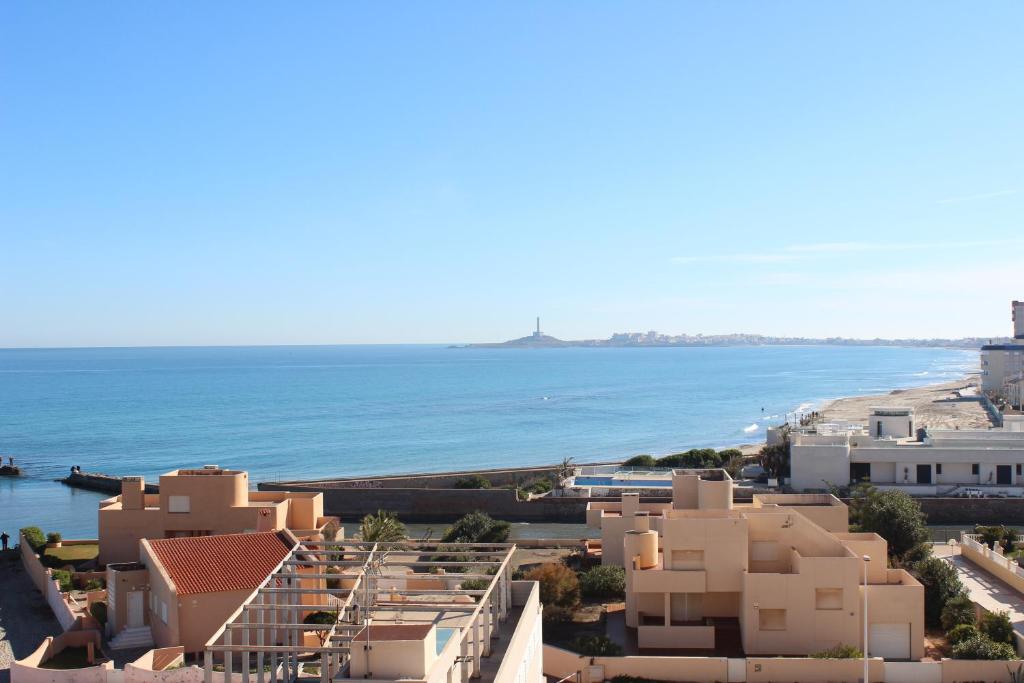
[
  {"x": 25, "y": 618},
  {"x": 985, "y": 589}
]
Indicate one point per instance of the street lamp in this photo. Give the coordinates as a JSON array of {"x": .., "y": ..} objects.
[{"x": 867, "y": 559}]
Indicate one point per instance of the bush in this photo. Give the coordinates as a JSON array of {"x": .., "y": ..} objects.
[
  {"x": 98, "y": 610},
  {"x": 695, "y": 458},
  {"x": 962, "y": 632},
  {"x": 34, "y": 537},
  {"x": 553, "y": 614},
  {"x": 477, "y": 527},
  {"x": 839, "y": 652},
  {"x": 941, "y": 584},
  {"x": 63, "y": 577},
  {"x": 53, "y": 537},
  {"x": 558, "y": 584},
  {"x": 321, "y": 618},
  {"x": 94, "y": 585},
  {"x": 595, "y": 646},
  {"x": 997, "y": 627},
  {"x": 475, "y": 585},
  {"x": 894, "y": 516},
  {"x": 981, "y": 647},
  {"x": 640, "y": 461},
  {"x": 604, "y": 581},
  {"x": 958, "y": 611},
  {"x": 472, "y": 482},
  {"x": 333, "y": 583}
]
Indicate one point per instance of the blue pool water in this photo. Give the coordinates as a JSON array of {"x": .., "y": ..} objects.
[
  {"x": 611, "y": 481},
  {"x": 294, "y": 412},
  {"x": 443, "y": 636}
]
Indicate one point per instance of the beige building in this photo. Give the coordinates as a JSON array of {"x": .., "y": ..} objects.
[
  {"x": 183, "y": 589},
  {"x": 201, "y": 502},
  {"x": 782, "y": 574}
]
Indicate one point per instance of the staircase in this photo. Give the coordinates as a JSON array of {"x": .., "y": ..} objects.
[{"x": 132, "y": 638}]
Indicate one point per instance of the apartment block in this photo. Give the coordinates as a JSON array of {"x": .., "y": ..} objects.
[
  {"x": 782, "y": 574},
  {"x": 201, "y": 502}
]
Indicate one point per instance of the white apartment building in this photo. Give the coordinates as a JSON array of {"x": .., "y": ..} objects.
[
  {"x": 941, "y": 463},
  {"x": 1001, "y": 364}
]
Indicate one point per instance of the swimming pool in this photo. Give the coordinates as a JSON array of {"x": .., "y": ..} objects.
[
  {"x": 443, "y": 636},
  {"x": 624, "y": 483}
]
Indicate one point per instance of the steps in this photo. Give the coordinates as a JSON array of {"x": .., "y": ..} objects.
[{"x": 132, "y": 638}]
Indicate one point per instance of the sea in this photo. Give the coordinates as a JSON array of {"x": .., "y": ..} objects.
[{"x": 336, "y": 411}]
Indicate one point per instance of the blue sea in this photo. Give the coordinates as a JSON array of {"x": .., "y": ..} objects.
[{"x": 305, "y": 412}]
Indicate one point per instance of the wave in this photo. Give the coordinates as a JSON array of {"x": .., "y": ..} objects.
[{"x": 751, "y": 428}]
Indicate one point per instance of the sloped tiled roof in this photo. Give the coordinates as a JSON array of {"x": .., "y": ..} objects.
[{"x": 214, "y": 564}]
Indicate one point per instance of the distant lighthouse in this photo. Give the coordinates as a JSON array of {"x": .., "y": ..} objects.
[{"x": 537, "y": 333}]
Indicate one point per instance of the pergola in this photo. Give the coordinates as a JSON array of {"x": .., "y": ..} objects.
[{"x": 268, "y": 629}]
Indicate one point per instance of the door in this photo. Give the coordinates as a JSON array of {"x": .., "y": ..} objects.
[
  {"x": 1003, "y": 475},
  {"x": 135, "y": 605},
  {"x": 924, "y": 474},
  {"x": 891, "y": 641}
]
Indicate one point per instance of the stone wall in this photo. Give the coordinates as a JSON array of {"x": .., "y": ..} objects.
[{"x": 103, "y": 483}]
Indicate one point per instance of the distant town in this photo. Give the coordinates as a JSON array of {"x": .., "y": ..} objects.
[{"x": 653, "y": 338}]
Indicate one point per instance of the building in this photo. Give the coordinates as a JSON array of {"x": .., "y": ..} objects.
[
  {"x": 399, "y": 611},
  {"x": 781, "y": 575},
  {"x": 1002, "y": 363},
  {"x": 940, "y": 463},
  {"x": 202, "y": 502},
  {"x": 183, "y": 589}
]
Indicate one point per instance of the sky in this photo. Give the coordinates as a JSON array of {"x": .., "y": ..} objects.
[{"x": 194, "y": 173}]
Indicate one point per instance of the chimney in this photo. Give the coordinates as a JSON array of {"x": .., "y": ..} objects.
[{"x": 133, "y": 492}]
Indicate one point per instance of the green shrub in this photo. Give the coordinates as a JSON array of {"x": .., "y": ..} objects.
[
  {"x": 34, "y": 537},
  {"x": 941, "y": 584},
  {"x": 839, "y": 652},
  {"x": 475, "y": 585},
  {"x": 958, "y": 610},
  {"x": 730, "y": 453},
  {"x": 99, "y": 612},
  {"x": 53, "y": 537},
  {"x": 596, "y": 646},
  {"x": 695, "y": 458},
  {"x": 559, "y": 585},
  {"x": 472, "y": 482},
  {"x": 962, "y": 632},
  {"x": 604, "y": 581},
  {"x": 63, "y": 577},
  {"x": 997, "y": 627},
  {"x": 321, "y": 618},
  {"x": 553, "y": 614},
  {"x": 1004, "y": 536},
  {"x": 477, "y": 527},
  {"x": 981, "y": 647},
  {"x": 640, "y": 461},
  {"x": 95, "y": 585}
]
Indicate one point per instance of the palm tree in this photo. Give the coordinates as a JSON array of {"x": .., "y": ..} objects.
[
  {"x": 382, "y": 527},
  {"x": 565, "y": 470}
]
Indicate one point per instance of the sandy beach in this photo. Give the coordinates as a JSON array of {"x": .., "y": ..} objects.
[{"x": 936, "y": 405}]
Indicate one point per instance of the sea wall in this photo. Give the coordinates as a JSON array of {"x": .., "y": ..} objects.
[
  {"x": 103, "y": 483},
  {"x": 953, "y": 511}
]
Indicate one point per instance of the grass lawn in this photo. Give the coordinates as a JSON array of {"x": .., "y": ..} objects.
[
  {"x": 68, "y": 658},
  {"x": 74, "y": 553}
]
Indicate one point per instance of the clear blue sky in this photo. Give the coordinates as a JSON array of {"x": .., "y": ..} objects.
[{"x": 219, "y": 173}]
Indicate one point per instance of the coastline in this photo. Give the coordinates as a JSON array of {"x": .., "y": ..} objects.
[{"x": 944, "y": 405}]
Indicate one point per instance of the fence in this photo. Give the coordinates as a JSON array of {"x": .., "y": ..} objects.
[{"x": 43, "y": 580}]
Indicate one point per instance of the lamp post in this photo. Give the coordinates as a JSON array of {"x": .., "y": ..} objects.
[{"x": 867, "y": 559}]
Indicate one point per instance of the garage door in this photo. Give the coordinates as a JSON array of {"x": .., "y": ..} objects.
[{"x": 891, "y": 641}]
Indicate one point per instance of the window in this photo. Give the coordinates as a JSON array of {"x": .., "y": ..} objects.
[
  {"x": 163, "y": 611},
  {"x": 828, "y": 598},
  {"x": 1019, "y": 469},
  {"x": 178, "y": 503},
  {"x": 938, "y": 468},
  {"x": 771, "y": 619},
  {"x": 688, "y": 559},
  {"x": 975, "y": 469}
]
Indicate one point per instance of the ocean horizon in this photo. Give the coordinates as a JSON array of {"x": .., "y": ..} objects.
[{"x": 293, "y": 412}]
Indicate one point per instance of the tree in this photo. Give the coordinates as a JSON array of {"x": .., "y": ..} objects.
[
  {"x": 894, "y": 516},
  {"x": 997, "y": 627},
  {"x": 1004, "y": 536},
  {"x": 941, "y": 584},
  {"x": 325, "y": 619},
  {"x": 477, "y": 527},
  {"x": 981, "y": 647},
  {"x": 640, "y": 461},
  {"x": 383, "y": 527},
  {"x": 604, "y": 581},
  {"x": 559, "y": 586},
  {"x": 775, "y": 459},
  {"x": 957, "y": 612}
]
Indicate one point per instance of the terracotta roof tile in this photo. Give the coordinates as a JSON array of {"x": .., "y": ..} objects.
[{"x": 227, "y": 562}]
